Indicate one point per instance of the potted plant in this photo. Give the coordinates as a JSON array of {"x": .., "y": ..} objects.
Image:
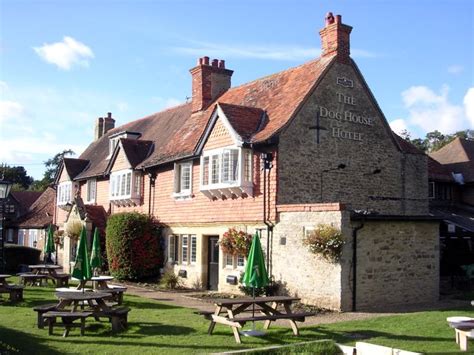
[{"x": 326, "y": 241}]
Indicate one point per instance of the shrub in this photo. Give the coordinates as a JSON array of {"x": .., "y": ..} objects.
[
  {"x": 170, "y": 280},
  {"x": 17, "y": 254},
  {"x": 325, "y": 240},
  {"x": 236, "y": 242},
  {"x": 270, "y": 290},
  {"x": 133, "y": 246}
]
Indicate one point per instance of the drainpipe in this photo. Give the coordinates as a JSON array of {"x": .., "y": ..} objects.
[
  {"x": 354, "y": 265},
  {"x": 267, "y": 165},
  {"x": 152, "y": 178}
]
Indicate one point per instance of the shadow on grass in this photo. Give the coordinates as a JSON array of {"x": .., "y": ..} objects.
[
  {"x": 136, "y": 302},
  {"x": 14, "y": 341}
]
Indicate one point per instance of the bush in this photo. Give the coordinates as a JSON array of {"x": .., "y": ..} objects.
[
  {"x": 133, "y": 246},
  {"x": 18, "y": 254},
  {"x": 325, "y": 240},
  {"x": 170, "y": 280}
]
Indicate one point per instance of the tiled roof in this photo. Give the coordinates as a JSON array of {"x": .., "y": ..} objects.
[
  {"x": 136, "y": 150},
  {"x": 40, "y": 214},
  {"x": 245, "y": 120},
  {"x": 280, "y": 95},
  {"x": 406, "y": 146},
  {"x": 98, "y": 216},
  {"x": 458, "y": 157},
  {"x": 438, "y": 172},
  {"x": 74, "y": 166},
  {"x": 25, "y": 198}
]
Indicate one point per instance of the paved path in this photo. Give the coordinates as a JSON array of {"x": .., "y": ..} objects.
[{"x": 184, "y": 300}]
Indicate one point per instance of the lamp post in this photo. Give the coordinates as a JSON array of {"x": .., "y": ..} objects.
[{"x": 5, "y": 187}]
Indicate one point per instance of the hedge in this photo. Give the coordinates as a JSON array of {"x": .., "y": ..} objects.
[
  {"x": 133, "y": 246},
  {"x": 17, "y": 255}
]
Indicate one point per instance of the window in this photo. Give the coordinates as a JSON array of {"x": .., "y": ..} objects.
[
  {"x": 33, "y": 238},
  {"x": 10, "y": 235},
  {"x": 21, "y": 237},
  {"x": 64, "y": 193},
  {"x": 240, "y": 261},
  {"x": 183, "y": 179},
  {"x": 229, "y": 261},
  {"x": 184, "y": 249},
  {"x": 91, "y": 190},
  {"x": 173, "y": 248},
  {"x": 193, "y": 249},
  {"x": 125, "y": 187},
  {"x": 112, "y": 144},
  {"x": 431, "y": 189},
  {"x": 226, "y": 172}
]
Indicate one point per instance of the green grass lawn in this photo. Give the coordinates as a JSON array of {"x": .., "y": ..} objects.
[{"x": 156, "y": 327}]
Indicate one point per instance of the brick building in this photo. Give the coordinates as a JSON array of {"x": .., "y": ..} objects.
[{"x": 281, "y": 154}]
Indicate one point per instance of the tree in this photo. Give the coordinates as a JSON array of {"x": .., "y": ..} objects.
[
  {"x": 52, "y": 166},
  {"x": 16, "y": 175},
  {"x": 436, "y": 140}
]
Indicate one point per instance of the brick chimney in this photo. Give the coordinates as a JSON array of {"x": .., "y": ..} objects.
[
  {"x": 209, "y": 82},
  {"x": 335, "y": 38},
  {"x": 99, "y": 127},
  {"x": 109, "y": 123}
]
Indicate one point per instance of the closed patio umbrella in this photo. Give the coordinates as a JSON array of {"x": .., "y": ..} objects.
[
  {"x": 49, "y": 245},
  {"x": 82, "y": 267},
  {"x": 96, "y": 259},
  {"x": 255, "y": 275}
]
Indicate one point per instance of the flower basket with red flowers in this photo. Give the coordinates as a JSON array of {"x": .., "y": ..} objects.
[{"x": 235, "y": 242}]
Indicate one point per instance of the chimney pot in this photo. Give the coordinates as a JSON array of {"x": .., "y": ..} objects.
[
  {"x": 222, "y": 64},
  {"x": 205, "y": 60},
  {"x": 215, "y": 62},
  {"x": 338, "y": 19},
  {"x": 335, "y": 38},
  {"x": 329, "y": 19},
  {"x": 199, "y": 62},
  {"x": 109, "y": 114}
]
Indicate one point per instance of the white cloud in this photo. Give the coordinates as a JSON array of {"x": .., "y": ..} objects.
[
  {"x": 398, "y": 126},
  {"x": 455, "y": 69},
  {"x": 267, "y": 52},
  {"x": 469, "y": 105},
  {"x": 10, "y": 110},
  {"x": 122, "y": 106},
  {"x": 66, "y": 54},
  {"x": 429, "y": 110}
]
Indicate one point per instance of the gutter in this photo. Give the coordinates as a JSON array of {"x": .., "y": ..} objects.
[{"x": 354, "y": 265}]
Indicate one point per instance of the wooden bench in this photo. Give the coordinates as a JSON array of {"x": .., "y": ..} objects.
[
  {"x": 32, "y": 279},
  {"x": 67, "y": 319},
  {"x": 298, "y": 317},
  {"x": 116, "y": 293},
  {"x": 205, "y": 314},
  {"x": 61, "y": 280},
  {"x": 42, "y": 309},
  {"x": 119, "y": 318},
  {"x": 15, "y": 292}
]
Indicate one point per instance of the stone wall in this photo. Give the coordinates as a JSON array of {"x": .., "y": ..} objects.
[
  {"x": 375, "y": 174},
  {"x": 398, "y": 263}
]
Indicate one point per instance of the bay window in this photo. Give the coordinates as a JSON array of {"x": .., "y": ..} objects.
[
  {"x": 65, "y": 193},
  {"x": 121, "y": 191},
  {"x": 227, "y": 172}
]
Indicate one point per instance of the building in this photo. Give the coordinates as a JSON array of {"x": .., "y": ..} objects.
[
  {"x": 451, "y": 192},
  {"x": 280, "y": 155}
]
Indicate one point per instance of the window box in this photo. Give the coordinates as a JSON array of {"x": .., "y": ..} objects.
[
  {"x": 227, "y": 172},
  {"x": 125, "y": 188}
]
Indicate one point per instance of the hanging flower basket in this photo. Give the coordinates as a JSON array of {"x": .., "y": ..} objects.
[
  {"x": 326, "y": 241},
  {"x": 234, "y": 242},
  {"x": 73, "y": 230}
]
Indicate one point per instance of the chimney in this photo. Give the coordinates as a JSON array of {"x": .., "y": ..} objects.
[
  {"x": 109, "y": 123},
  {"x": 99, "y": 127},
  {"x": 335, "y": 38},
  {"x": 209, "y": 82}
]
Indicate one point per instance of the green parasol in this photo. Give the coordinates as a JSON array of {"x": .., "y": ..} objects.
[
  {"x": 49, "y": 245},
  {"x": 96, "y": 260},
  {"x": 255, "y": 276},
  {"x": 82, "y": 268},
  {"x": 255, "y": 272}
]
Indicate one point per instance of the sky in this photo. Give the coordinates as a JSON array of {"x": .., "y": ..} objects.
[{"x": 65, "y": 63}]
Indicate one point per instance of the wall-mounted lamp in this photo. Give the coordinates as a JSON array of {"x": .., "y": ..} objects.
[{"x": 266, "y": 159}]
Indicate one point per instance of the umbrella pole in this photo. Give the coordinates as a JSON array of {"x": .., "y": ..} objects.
[{"x": 253, "y": 308}]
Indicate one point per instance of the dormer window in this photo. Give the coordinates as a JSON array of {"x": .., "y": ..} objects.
[
  {"x": 65, "y": 194},
  {"x": 115, "y": 138},
  {"x": 112, "y": 144},
  {"x": 227, "y": 172},
  {"x": 125, "y": 187}
]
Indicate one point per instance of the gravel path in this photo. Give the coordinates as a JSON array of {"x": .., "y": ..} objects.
[{"x": 185, "y": 300}]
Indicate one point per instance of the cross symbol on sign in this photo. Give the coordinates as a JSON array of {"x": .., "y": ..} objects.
[{"x": 318, "y": 127}]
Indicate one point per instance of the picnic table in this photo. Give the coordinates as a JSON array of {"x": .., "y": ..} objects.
[
  {"x": 15, "y": 291},
  {"x": 230, "y": 312},
  {"x": 49, "y": 271},
  {"x": 100, "y": 283}
]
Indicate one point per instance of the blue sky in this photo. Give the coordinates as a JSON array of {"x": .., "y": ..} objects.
[{"x": 65, "y": 63}]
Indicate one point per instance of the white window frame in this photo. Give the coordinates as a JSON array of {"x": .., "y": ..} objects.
[
  {"x": 123, "y": 185},
  {"x": 64, "y": 193},
  {"x": 113, "y": 142},
  {"x": 33, "y": 237},
  {"x": 228, "y": 261},
  {"x": 21, "y": 236},
  {"x": 184, "y": 249},
  {"x": 179, "y": 192},
  {"x": 193, "y": 249},
  {"x": 237, "y": 257},
  {"x": 173, "y": 243},
  {"x": 91, "y": 190}
]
